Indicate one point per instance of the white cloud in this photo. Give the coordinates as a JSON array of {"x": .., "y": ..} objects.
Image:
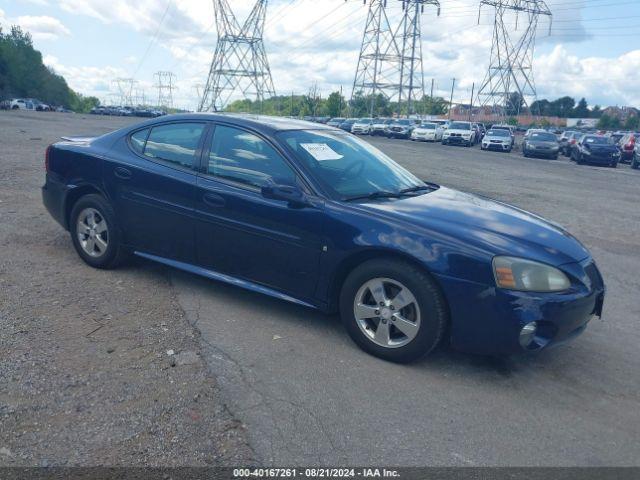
[{"x": 40, "y": 27}]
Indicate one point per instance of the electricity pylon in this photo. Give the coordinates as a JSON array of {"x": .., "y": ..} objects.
[
  {"x": 239, "y": 64},
  {"x": 124, "y": 91},
  {"x": 166, "y": 86},
  {"x": 509, "y": 85},
  {"x": 390, "y": 61}
]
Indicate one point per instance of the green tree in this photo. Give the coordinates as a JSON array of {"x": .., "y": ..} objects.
[
  {"x": 632, "y": 123},
  {"x": 582, "y": 109},
  {"x": 335, "y": 104}
]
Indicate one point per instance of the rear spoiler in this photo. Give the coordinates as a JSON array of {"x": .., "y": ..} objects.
[{"x": 78, "y": 139}]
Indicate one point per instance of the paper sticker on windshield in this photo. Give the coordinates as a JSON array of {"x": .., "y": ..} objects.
[{"x": 321, "y": 151}]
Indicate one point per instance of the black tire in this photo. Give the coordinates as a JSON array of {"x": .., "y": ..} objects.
[
  {"x": 635, "y": 164},
  {"x": 555, "y": 157},
  {"x": 114, "y": 253},
  {"x": 579, "y": 159},
  {"x": 431, "y": 302}
]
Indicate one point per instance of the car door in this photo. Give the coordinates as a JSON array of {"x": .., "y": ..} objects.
[
  {"x": 151, "y": 178},
  {"x": 243, "y": 234}
]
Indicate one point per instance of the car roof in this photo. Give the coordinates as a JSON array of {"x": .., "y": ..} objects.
[{"x": 263, "y": 123}]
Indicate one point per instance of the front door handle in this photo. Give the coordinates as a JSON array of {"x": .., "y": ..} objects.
[
  {"x": 214, "y": 200},
  {"x": 122, "y": 173}
]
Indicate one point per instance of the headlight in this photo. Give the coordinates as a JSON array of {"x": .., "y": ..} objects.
[{"x": 525, "y": 275}]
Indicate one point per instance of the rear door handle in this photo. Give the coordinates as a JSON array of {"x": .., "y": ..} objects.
[
  {"x": 122, "y": 173},
  {"x": 214, "y": 200}
]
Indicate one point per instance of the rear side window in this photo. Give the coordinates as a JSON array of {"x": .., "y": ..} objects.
[
  {"x": 138, "y": 140},
  {"x": 175, "y": 143}
]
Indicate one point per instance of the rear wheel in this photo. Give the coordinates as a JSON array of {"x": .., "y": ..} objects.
[
  {"x": 393, "y": 310},
  {"x": 95, "y": 232},
  {"x": 635, "y": 162}
]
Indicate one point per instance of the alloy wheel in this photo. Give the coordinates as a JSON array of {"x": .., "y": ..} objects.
[
  {"x": 387, "y": 312},
  {"x": 93, "y": 232}
]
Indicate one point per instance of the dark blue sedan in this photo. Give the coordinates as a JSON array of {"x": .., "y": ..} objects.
[{"x": 315, "y": 216}]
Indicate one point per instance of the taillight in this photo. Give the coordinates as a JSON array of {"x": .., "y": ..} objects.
[{"x": 47, "y": 155}]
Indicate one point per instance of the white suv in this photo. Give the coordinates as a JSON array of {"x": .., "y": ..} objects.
[
  {"x": 459, "y": 133},
  {"x": 21, "y": 104},
  {"x": 362, "y": 126}
]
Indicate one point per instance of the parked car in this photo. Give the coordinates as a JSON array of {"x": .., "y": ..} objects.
[
  {"x": 498, "y": 139},
  {"x": 635, "y": 161},
  {"x": 459, "y": 133},
  {"x": 401, "y": 128},
  {"x": 571, "y": 141},
  {"x": 39, "y": 105},
  {"x": 627, "y": 146},
  {"x": 509, "y": 128},
  {"x": 5, "y": 105},
  {"x": 347, "y": 124},
  {"x": 564, "y": 141},
  {"x": 595, "y": 149},
  {"x": 616, "y": 137},
  {"x": 380, "y": 125},
  {"x": 483, "y": 130},
  {"x": 362, "y": 126},
  {"x": 317, "y": 217},
  {"x": 541, "y": 144},
  {"x": 478, "y": 134},
  {"x": 21, "y": 104},
  {"x": 335, "y": 122},
  {"x": 427, "y": 132}
]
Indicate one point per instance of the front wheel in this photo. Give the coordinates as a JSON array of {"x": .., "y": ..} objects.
[
  {"x": 95, "y": 232},
  {"x": 635, "y": 163},
  {"x": 393, "y": 310}
]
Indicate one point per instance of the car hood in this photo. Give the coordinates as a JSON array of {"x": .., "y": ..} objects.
[
  {"x": 494, "y": 227},
  {"x": 454, "y": 130},
  {"x": 497, "y": 137}
]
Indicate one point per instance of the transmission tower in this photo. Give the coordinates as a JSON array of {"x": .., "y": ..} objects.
[
  {"x": 165, "y": 86},
  {"x": 508, "y": 84},
  {"x": 390, "y": 61},
  {"x": 124, "y": 91},
  {"x": 239, "y": 64}
]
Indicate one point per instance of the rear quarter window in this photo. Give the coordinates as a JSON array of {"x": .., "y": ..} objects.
[
  {"x": 174, "y": 143},
  {"x": 138, "y": 139}
]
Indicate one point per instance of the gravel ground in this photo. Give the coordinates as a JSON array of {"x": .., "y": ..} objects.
[{"x": 86, "y": 378}]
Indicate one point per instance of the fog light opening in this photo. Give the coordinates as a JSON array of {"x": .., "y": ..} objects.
[{"x": 527, "y": 334}]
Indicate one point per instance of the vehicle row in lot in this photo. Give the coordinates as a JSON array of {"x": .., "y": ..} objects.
[
  {"x": 28, "y": 104},
  {"x": 406, "y": 263},
  {"x": 127, "y": 111}
]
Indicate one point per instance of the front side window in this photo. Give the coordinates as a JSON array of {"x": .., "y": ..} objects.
[
  {"x": 243, "y": 157},
  {"x": 175, "y": 143},
  {"x": 345, "y": 165}
]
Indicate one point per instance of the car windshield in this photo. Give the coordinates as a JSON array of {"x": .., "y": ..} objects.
[
  {"x": 498, "y": 133},
  {"x": 543, "y": 137},
  {"x": 347, "y": 166},
  {"x": 428, "y": 126},
  {"x": 403, "y": 122},
  {"x": 365, "y": 120},
  {"x": 596, "y": 140},
  {"x": 460, "y": 126}
]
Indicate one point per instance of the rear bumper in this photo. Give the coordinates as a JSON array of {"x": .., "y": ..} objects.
[
  {"x": 53, "y": 198},
  {"x": 487, "y": 320}
]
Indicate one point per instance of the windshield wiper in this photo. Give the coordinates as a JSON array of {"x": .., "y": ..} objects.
[
  {"x": 374, "y": 195},
  {"x": 417, "y": 188},
  {"x": 388, "y": 194}
]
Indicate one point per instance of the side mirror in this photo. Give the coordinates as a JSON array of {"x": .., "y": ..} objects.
[{"x": 287, "y": 193}]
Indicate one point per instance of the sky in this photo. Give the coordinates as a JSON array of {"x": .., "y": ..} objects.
[{"x": 592, "y": 51}]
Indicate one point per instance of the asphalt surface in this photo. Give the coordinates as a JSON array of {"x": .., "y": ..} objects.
[
  {"x": 85, "y": 373},
  {"x": 309, "y": 396}
]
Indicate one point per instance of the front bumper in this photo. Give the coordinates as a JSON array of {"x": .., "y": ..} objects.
[
  {"x": 456, "y": 140},
  {"x": 427, "y": 137},
  {"x": 487, "y": 320},
  {"x": 399, "y": 134},
  {"x": 543, "y": 152},
  {"x": 501, "y": 147}
]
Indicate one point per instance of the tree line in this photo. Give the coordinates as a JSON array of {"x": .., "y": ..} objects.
[
  {"x": 312, "y": 104},
  {"x": 24, "y": 75}
]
